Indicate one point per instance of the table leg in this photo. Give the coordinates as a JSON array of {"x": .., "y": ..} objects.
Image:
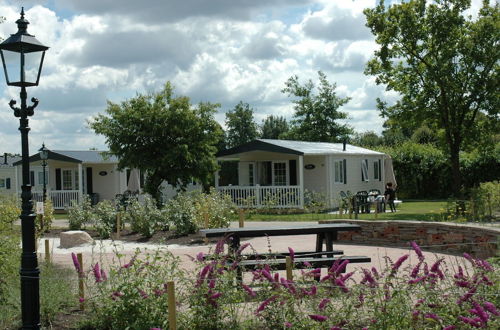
[
  {"x": 330, "y": 238},
  {"x": 319, "y": 242},
  {"x": 234, "y": 244}
]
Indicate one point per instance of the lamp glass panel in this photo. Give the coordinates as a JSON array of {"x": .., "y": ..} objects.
[
  {"x": 31, "y": 66},
  {"x": 12, "y": 65}
]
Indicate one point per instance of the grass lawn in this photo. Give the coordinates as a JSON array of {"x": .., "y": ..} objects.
[{"x": 423, "y": 211}]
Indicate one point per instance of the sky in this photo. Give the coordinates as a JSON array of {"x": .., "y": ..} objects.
[{"x": 221, "y": 51}]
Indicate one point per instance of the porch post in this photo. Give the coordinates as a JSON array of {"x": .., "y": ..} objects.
[
  {"x": 80, "y": 183},
  {"x": 301, "y": 180},
  {"x": 17, "y": 182}
]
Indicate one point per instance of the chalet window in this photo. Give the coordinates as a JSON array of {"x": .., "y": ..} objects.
[
  {"x": 250, "y": 175},
  {"x": 40, "y": 178},
  {"x": 339, "y": 171},
  {"x": 7, "y": 183},
  {"x": 2, "y": 183},
  {"x": 364, "y": 170},
  {"x": 279, "y": 173},
  {"x": 377, "y": 170},
  {"x": 67, "y": 179}
]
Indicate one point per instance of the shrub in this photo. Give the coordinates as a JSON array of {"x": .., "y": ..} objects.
[
  {"x": 80, "y": 214},
  {"x": 145, "y": 218},
  {"x": 9, "y": 210},
  {"x": 132, "y": 295},
  {"x": 216, "y": 208},
  {"x": 181, "y": 213},
  {"x": 314, "y": 202},
  {"x": 486, "y": 201},
  {"x": 105, "y": 218}
]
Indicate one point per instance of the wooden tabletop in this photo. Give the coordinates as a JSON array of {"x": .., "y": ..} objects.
[{"x": 280, "y": 231}]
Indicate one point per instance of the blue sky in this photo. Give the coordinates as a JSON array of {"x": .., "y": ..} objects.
[{"x": 220, "y": 51}]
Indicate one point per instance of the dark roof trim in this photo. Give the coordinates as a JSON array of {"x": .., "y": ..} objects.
[
  {"x": 52, "y": 156},
  {"x": 257, "y": 145}
]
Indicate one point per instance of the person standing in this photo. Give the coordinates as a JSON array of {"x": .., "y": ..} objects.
[{"x": 390, "y": 196}]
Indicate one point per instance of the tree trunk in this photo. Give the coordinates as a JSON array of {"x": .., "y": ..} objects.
[{"x": 152, "y": 187}]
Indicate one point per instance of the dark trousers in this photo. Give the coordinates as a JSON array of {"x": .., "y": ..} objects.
[{"x": 392, "y": 206}]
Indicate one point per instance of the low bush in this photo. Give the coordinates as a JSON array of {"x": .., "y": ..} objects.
[
  {"x": 80, "y": 214},
  {"x": 145, "y": 218},
  {"x": 429, "y": 294},
  {"x": 181, "y": 212},
  {"x": 9, "y": 210},
  {"x": 104, "y": 217},
  {"x": 214, "y": 209}
]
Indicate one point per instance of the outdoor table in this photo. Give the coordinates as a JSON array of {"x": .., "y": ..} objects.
[{"x": 323, "y": 232}]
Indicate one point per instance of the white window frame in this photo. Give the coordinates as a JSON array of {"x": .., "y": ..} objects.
[
  {"x": 377, "y": 170},
  {"x": 74, "y": 178},
  {"x": 2, "y": 183},
  {"x": 251, "y": 174},
  {"x": 40, "y": 177},
  {"x": 338, "y": 164},
  {"x": 364, "y": 170},
  {"x": 274, "y": 174}
]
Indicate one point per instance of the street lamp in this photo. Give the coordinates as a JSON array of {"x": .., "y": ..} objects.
[
  {"x": 44, "y": 155},
  {"x": 22, "y": 58}
]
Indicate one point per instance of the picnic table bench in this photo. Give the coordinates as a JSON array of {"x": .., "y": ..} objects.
[{"x": 325, "y": 233}]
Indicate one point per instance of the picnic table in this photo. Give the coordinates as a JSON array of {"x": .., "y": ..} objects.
[{"x": 324, "y": 233}]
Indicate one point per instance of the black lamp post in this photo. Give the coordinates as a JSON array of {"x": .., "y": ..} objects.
[
  {"x": 22, "y": 57},
  {"x": 44, "y": 155}
]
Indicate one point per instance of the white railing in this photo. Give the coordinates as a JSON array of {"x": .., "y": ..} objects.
[
  {"x": 265, "y": 196},
  {"x": 60, "y": 198}
]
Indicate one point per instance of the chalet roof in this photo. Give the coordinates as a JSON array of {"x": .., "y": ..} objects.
[
  {"x": 8, "y": 161},
  {"x": 296, "y": 148},
  {"x": 82, "y": 156}
]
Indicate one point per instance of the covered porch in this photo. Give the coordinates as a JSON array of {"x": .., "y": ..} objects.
[{"x": 267, "y": 177}]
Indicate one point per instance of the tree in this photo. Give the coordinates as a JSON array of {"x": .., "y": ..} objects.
[
  {"x": 241, "y": 127},
  {"x": 274, "y": 127},
  {"x": 163, "y": 135},
  {"x": 368, "y": 139},
  {"x": 444, "y": 65},
  {"x": 316, "y": 115}
]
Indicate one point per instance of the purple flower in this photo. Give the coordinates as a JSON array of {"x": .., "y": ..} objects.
[
  {"x": 200, "y": 256},
  {"x": 77, "y": 265},
  {"x": 347, "y": 276},
  {"x": 318, "y": 318},
  {"x": 466, "y": 296},
  {"x": 267, "y": 275},
  {"x": 219, "y": 247},
  {"x": 307, "y": 264},
  {"x": 341, "y": 285},
  {"x": 323, "y": 303},
  {"x": 117, "y": 294},
  {"x": 490, "y": 307},
  {"x": 103, "y": 275},
  {"x": 417, "y": 250},
  {"x": 450, "y": 327},
  {"x": 154, "y": 328},
  {"x": 341, "y": 267},
  {"x": 480, "y": 312},
  {"x": 143, "y": 294},
  {"x": 241, "y": 248},
  {"x": 462, "y": 284},
  {"x": 326, "y": 278},
  {"x": 130, "y": 263},
  {"x": 415, "y": 270},
  {"x": 265, "y": 303},
  {"x": 432, "y": 316},
  {"x": 311, "y": 292},
  {"x": 475, "y": 322},
  {"x": 81, "y": 300},
  {"x": 368, "y": 278},
  {"x": 287, "y": 325},
  {"x": 97, "y": 273},
  {"x": 417, "y": 280},
  {"x": 292, "y": 253},
  {"x": 486, "y": 265},
  {"x": 375, "y": 272},
  {"x": 460, "y": 273},
  {"x": 399, "y": 262},
  {"x": 215, "y": 295},
  {"x": 211, "y": 283},
  {"x": 435, "y": 266},
  {"x": 249, "y": 290}
]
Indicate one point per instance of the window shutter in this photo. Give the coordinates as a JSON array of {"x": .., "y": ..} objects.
[
  {"x": 7, "y": 183},
  {"x": 379, "y": 170},
  {"x": 32, "y": 178},
  {"x": 345, "y": 171},
  {"x": 58, "y": 179},
  {"x": 292, "y": 166}
]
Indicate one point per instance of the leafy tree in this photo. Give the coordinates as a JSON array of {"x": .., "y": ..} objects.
[
  {"x": 316, "y": 115},
  {"x": 424, "y": 135},
  {"x": 163, "y": 135},
  {"x": 368, "y": 139},
  {"x": 241, "y": 127},
  {"x": 444, "y": 64},
  {"x": 274, "y": 127}
]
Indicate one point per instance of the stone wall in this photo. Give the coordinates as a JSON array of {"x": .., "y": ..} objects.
[{"x": 481, "y": 242}]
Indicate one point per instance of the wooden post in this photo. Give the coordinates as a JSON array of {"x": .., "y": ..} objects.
[
  {"x": 242, "y": 218},
  {"x": 351, "y": 207},
  {"x": 289, "y": 266},
  {"x": 377, "y": 205},
  {"x": 118, "y": 224},
  {"x": 341, "y": 212},
  {"x": 81, "y": 292},
  {"x": 172, "y": 318},
  {"x": 47, "y": 251},
  {"x": 205, "y": 218}
]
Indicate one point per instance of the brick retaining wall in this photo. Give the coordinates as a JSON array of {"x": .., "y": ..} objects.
[{"x": 432, "y": 236}]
